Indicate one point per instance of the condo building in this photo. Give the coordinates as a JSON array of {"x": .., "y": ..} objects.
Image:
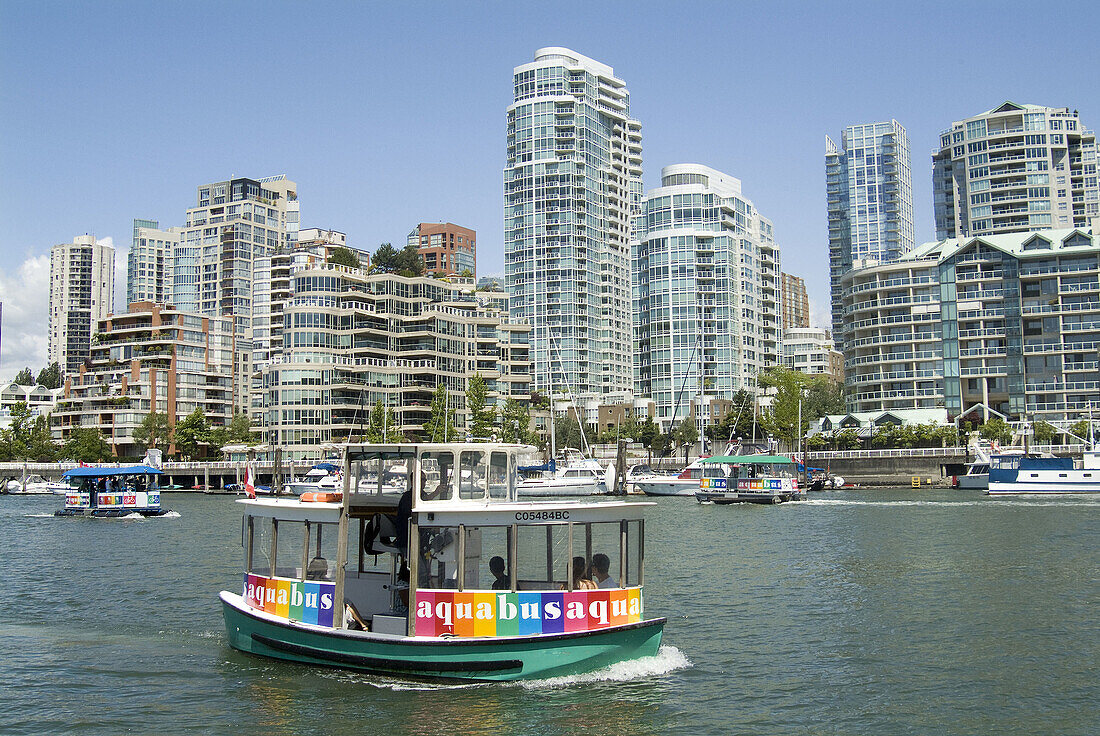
[
  {"x": 810, "y": 350},
  {"x": 150, "y": 358},
  {"x": 149, "y": 263},
  {"x": 572, "y": 183},
  {"x": 1010, "y": 322},
  {"x": 869, "y": 196},
  {"x": 352, "y": 339},
  {"x": 795, "y": 301},
  {"x": 1016, "y": 168},
  {"x": 706, "y": 292},
  {"x": 82, "y": 287},
  {"x": 447, "y": 249},
  {"x": 272, "y": 286}
]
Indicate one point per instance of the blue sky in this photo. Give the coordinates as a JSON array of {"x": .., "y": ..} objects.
[{"x": 389, "y": 114}]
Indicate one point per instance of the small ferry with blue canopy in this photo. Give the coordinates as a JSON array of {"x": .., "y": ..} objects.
[
  {"x": 112, "y": 491},
  {"x": 445, "y": 574}
]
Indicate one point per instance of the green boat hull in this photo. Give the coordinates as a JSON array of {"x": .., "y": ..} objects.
[{"x": 497, "y": 658}]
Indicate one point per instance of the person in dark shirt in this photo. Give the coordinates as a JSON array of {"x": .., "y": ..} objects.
[{"x": 496, "y": 566}]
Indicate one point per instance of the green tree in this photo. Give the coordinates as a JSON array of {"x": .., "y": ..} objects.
[
  {"x": 404, "y": 262},
  {"x": 567, "y": 433},
  {"x": 409, "y": 261},
  {"x": 847, "y": 439},
  {"x": 86, "y": 445},
  {"x": 240, "y": 431},
  {"x": 50, "y": 377},
  {"x": 344, "y": 257},
  {"x": 153, "y": 430},
  {"x": 27, "y": 437},
  {"x": 382, "y": 425},
  {"x": 515, "y": 422},
  {"x": 686, "y": 434},
  {"x": 25, "y": 377},
  {"x": 823, "y": 397},
  {"x": 1044, "y": 432},
  {"x": 782, "y": 416},
  {"x": 191, "y": 432},
  {"x": 1081, "y": 429},
  {"x": 659, "y": 444},
  {"x": 440, "y": 426},
  {"x": 384, "y": 259},
  {"x": 482, "y": 415},
  {"x": 996, "y": 430}
]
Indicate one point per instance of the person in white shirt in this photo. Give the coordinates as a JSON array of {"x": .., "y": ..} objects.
[{"x": 600, "y": 574}]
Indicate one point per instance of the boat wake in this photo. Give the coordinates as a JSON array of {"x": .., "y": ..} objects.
[
  {"x": 1058, "y": 501},
  {"x": 668, "y": 659}
]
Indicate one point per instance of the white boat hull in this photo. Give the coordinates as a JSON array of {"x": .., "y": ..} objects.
[
  {"x": 552, "y": 487},
  {"x": 975, "y": 481},
  {"x": 670, "y": 487}
]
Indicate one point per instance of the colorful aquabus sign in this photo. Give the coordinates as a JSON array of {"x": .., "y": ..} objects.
[
  {"x": 296, "y": 600},
  {"x": 485, "y": 613}
]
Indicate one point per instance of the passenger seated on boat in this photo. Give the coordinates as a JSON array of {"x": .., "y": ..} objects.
[
  {"x": 317, "y": 569},
  {"x": 496, "y": 566},
  {"x": 580, "y": 582},
  {"x": 352, "y": 619},
  {"x": 599, "y": 571}
]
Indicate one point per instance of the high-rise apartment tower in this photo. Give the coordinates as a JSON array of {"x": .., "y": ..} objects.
[
  {"x": 572, "y": 184},
  {"x": 1014, "y": 169},
  {"x": 869, "y": 194},
  {"x": 82, "y": 287}
]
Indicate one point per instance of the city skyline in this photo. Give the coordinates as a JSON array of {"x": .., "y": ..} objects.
[{"x": 337, "y": 113}]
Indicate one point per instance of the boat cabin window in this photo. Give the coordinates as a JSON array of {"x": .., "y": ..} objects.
[
  {"x": 300, "y": 550},
  {"x": 375, "y": 475},
  {"x": 462, "y": 558},
  {"x": 499, "y": 474},
  {"x": 438, "y": 560},
  {"x": 473, "y": 475},
  {"x": 436, "y": 475}
]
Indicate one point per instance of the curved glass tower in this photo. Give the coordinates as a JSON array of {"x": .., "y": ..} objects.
[{"x": 571, "y": 186}]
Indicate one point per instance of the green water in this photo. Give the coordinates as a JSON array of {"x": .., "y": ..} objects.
[{"x": 861, "y": 612}]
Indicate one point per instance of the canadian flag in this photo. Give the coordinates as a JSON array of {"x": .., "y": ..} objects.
[{"x": 249, "y": 482}]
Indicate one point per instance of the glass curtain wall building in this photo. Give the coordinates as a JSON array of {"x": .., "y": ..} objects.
[
  {"x": 572, "y": 184},
  {"x": 869, "y": 195},
  {"x": 149, "y": 263},
  {"x": 1015, "y": 169},
  {"x": 706, "y": 293}
]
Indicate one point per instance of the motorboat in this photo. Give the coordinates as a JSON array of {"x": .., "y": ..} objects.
[
  {"x": 1029, "y": 473},
  {"x": 458, "y": 579},
  {"x": 321, "y": 478},
  {"x": 36, "y": 484},
  {"x": 977, "y": 472},
  {"x": 685, "y": 483},
  {"x": 750, "y": 479},
  {"x": 575, "y": 476},
  {"x": 113, "y": 492}
]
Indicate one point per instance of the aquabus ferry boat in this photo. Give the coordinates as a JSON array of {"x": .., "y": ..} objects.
[{"x": 450, "y": 578}]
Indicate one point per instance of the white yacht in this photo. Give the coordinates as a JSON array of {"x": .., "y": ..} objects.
[
  {"x": 575, "y": 476},
  {"x": 686, "y": 483},
  {"x": 36, "y": 484}
]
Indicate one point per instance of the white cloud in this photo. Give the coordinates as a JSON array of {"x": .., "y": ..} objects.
[
  {"x": 26, "y": 298},
  {"x": 25, "y": 295}
]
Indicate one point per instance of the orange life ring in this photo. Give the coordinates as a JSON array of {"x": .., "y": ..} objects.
[{"x": 318, "y": 497}]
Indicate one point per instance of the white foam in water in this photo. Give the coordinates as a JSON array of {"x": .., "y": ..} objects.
[
  {"x": 668, "y": 659},
  {"x": 984, "y": 501},
  {"x": 39, "y": 516}
]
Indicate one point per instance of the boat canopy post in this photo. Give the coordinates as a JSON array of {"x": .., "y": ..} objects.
[{"x": 342, "y": 546}]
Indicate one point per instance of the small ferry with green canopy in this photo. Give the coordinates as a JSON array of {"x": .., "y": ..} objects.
[
  {"x": 446, "y": 575},
  {"x": 749, "y": 479}
]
